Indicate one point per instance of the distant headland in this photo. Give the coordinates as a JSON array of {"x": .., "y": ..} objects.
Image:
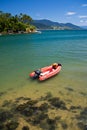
[
  {"x": 48, "y": 24},
  {"x": 23, "y": 23}
]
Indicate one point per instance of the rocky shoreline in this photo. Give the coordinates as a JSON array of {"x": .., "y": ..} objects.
[{"x": 20, "y": 32}]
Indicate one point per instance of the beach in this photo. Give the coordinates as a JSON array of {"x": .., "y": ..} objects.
[{"x": 62, "y": 100}]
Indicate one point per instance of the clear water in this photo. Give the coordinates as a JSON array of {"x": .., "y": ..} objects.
[{"x": 21, "y": 54}]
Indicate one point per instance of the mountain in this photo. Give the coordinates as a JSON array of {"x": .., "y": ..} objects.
[{"x": 48, "y": 24}]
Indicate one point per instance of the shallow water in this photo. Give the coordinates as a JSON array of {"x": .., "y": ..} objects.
[{"x": 21, "y": 54}]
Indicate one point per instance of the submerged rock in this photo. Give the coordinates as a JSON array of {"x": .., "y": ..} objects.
[
  {"x": 2, "y": 127},
  {"x": 35, "y": 112},
  {"x": 64, "y": 125},
  {"x": 25, "y": 128},
  {"x": 56, "y": 102},
  {"x": 37, "y": 119},
  {"x": 83, "y": 115},
  {"x": 75, "y": 107},
  {"x": 69, "y": 89},
  {"x": 82, "y": 126},
  {"x": 5, "y": 115},
  {"x": 82, "y": 119},
  {"x": 2, "y": 93},
  {"x": 12, "y": 125},
  {"x": 48, "y": 124},
  {"x": 22, "y": 98},
  {"x": 44, "y": 107},
  {"x": 6, "y": 103}
]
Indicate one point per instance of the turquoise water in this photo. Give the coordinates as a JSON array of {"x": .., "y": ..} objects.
[{"x": 20, "y": 54}]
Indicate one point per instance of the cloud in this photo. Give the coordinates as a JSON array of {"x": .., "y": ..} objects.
[
  {"x": 83, "y": 21},
  {"x": 84, "y": 5},
  {"x": 70, "y": 13},
  {"x": 82, "y": 16}
]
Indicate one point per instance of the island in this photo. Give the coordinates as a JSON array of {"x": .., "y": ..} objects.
[{"x": 10, "y": 24}]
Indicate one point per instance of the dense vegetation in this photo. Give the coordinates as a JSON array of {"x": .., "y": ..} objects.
[{"x": 15, "y": 24}]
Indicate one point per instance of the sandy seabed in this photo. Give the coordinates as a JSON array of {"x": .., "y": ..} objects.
[{"x": 39, "y": 108}]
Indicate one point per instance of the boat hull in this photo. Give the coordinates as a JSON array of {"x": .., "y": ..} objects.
[
  {"x": 50, "y": 73},
  {"x": 45, "y": 72}
]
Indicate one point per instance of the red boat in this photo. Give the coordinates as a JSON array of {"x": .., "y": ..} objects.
[{"x": 46, "y": 72}]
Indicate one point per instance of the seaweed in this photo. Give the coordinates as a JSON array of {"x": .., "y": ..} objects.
[
  {"x": 22, "y": 98},
  {"x": 69, "y": 89},
  {"x": 83, "y": 94},
  {"x": 12, "y": 125},
  {"x": 48, "y": 124},
  {"x": 82, "y": 126},
  {"x": 5, "y": 115},
  {"x": 44, "y": 107},
  {"x": 64, "y": 125},
  {"x": 25, "y": 128},
  {"x": 2, "y": 127},
  {"x": 82, "y": 119},
  {"x": 75, "y": 107},
  {"x": 6, "y": 103},
  {"x": 28, "y": 108},
  {"x": 40, "y": 113},
  {"x": 2, "y": 93},
  {"x": 56, "y": 102}
]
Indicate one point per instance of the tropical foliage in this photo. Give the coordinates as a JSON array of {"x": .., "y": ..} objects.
[{"x": 15, "y": 24}]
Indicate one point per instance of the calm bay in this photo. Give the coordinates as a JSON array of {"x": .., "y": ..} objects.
[{"x": 20, "y": 54}]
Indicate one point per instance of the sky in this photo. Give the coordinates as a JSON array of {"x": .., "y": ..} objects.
[{"x": 62, "y": 11}]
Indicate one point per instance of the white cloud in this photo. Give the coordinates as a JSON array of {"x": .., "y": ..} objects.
[
  {"x": 70, "y": 13},
  {"x": 82, "y": 16},
  {"x": 84, "y": 5},
  {"x": 83, "y": 21}
]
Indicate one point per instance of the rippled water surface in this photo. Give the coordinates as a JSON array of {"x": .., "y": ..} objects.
[{"x": 21, "y": 54}]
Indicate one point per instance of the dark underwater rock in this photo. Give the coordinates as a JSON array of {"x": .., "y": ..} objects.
[
  {"x": 83, "y": 94},
  {"x": 82, "y": 126},
  {"x": 82, "y": 119},
  {"x": 35, "y": 112},
  {"x": 48, "y": 124},
  {"x": 44, "y": 107},
  {"x": 28, "y": 104},
  {"x": 69, "y": 89},
  {"x": 12, "y": 125},
  {"x": 73, "y": 108},
  {"x": 6, "y": 103},
  {"x": 25, "y": 128},
  {"x": 64, "y": 125},
  {"x": 5, "y": 115},
  {"x": 51, "y": 121},
  {"x": 22, "y": 98},
  {"x": 83, "y": 115},
  {"x": 2, "y": 127},
  {"x": 28, "y": 108},
  {"x": 37, "y": 119},
  {"x": 48, "y": 95},
  {"x": 56, "y": 102},
  {"x": 2, "y": 93}
]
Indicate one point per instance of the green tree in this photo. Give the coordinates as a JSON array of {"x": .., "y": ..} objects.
[{"x": 9, "y": 23}]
